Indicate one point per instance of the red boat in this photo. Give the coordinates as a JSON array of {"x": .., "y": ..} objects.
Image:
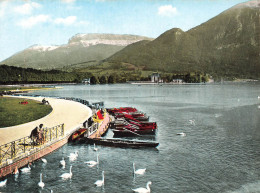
[
  {"x": 136, "y": 125},
  {"x": 121, "y": 109},
  {"x": 131, "y": 117},
  {"x": 77, "y": 134}
]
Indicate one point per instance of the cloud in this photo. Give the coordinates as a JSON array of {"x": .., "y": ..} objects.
[
  {"x": 167, "y": 10},
  {"x": 27, "y": 8},
  {"x": 66, "y": 21},
  {"x": 68, "y": 1},
  {"x": 34, "y": 20}
]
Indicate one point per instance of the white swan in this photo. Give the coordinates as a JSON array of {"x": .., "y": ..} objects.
[
  {"x": 41, "y": 184},
  {"x": 192, "y": 121},
  {"x": 26, "y": 170},
  {"x": 144, "y": 190},
  {"x": 93, "y": 163},
  {"x": 94, "y": 148},
  {"x": 3, "y": 183},
  {"x": 73, "y": 156},
  {"x": 101, "y": 182},
  {"x": 44, "y": 160},
  {"x": 67, "y": 175},
  {"x": 62, "y": 162},
  {"x": 182, "y": 134},
  {"x": 139, "y": 171}
]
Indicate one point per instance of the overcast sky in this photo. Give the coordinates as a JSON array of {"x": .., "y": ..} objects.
[{"x": 52, "y": 22}]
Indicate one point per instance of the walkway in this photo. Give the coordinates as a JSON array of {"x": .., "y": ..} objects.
[{"x": 71, "y": 113}]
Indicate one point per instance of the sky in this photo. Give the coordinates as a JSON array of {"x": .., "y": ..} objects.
[{"x": 24, "y": 23}]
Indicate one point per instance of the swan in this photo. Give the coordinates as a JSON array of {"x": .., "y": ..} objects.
[
  {"x": 73, "y": 156},
  {"x": 93, "y": 163},
  {"x": 94, "y": 148},
  {"x": 101, "y": 182},
  {"x": 41, "y": 184},
  {"x": 139, "y": 171},
  {"x": 67, "y": 175},
  {"x": 144, "y": 190},
  {"x": 62, "y": 162},
  {"x": 3, "y": 183},
  {"x": 26, "y": 170},
  {"x": 192, "y": 121},
  {"x": 182, "y": 134},
  {"x": 44, "y": 160}
]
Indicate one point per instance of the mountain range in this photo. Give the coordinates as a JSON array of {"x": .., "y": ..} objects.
[
  {"x": 81, "y": 48},
  {"x": 226, "y": 45}
]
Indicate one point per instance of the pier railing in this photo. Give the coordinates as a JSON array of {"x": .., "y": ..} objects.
[{"x": 14, "y": 149}]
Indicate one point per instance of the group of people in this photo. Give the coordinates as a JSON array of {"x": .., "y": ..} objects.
[{"x": 38, "y": 135}]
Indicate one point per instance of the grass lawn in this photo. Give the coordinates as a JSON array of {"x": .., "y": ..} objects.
[{"x": 13, "y": 113}]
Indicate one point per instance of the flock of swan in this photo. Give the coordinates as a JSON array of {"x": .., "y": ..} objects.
[{"x": 73, "y": 157}]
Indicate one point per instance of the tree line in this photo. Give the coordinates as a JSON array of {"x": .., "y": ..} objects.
[{"x": 18, "y": 75}]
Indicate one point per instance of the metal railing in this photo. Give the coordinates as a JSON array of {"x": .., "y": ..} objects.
[
  {"x": 92, "y": 129},
  {"x": 14, "y": 149}
]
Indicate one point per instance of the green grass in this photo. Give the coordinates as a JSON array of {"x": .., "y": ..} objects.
[{"x": 12, "y": 113}]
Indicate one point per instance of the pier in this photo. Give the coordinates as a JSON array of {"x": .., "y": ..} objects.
[{"x": 17, "y": 149}]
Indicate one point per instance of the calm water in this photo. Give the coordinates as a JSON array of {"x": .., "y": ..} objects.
[{"x": 220, "y": 153}]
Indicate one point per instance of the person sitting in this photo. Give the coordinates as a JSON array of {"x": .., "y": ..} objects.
[{"x": 44, "y": 101}]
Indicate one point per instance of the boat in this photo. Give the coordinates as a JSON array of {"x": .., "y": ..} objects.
[
  {"x": 77, "y": 134},
  {"x": 121, "y": 109},
  {"x": 142, "y": 117},
  {"x": 121, "y": 142},
  {"x": 133, "y": 132}
]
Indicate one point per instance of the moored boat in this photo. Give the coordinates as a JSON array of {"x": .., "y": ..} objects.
[
  {"x": 77, "y": 134},
  {"x": 122, "y": 142},
  {"x": 133, "y": 132}
]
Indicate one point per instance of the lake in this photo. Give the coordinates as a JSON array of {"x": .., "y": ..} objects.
[{"x": 220, "y": 152}]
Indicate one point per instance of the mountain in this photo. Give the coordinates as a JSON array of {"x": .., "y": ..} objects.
[
  {"x": 226, "y": 45},
  {"x": 81, "y": 48}
]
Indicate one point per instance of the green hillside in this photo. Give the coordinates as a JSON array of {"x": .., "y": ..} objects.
[{"x": 228, "y": 45}]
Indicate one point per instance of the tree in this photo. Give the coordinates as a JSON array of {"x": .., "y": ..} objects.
[
  {"x": 103, "y": 80},
  {"x": 93, "y": 80},
  {"x": 111, "y": 79}
]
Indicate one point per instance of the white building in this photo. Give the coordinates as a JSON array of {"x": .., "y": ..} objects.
[
  {"x": 155, "y": 77},
  {"x": 86, "y": 81}
]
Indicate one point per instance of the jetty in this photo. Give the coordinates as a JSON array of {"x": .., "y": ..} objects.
[{"x": 17, "y": 148}]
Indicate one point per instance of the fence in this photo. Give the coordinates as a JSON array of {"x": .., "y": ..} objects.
[{"x": 14, "y": 149}]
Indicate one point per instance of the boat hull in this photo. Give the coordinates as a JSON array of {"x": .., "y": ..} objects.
[
  {"x": 121, "y": 143},
  {"x": 125, "y": 132}
]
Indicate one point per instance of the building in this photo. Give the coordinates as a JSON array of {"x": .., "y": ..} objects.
[
  {"x": 86, "y": 81},
  {"x": 155, "y": 77},
  {"x": 177, "y": 81}
]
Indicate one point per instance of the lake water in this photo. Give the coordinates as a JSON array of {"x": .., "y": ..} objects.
[{"x": 220, "y": 152}]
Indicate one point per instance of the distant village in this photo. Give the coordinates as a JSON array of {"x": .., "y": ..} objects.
[{"x": 156, "y": 78}]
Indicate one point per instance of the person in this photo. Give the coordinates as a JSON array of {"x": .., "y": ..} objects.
[
  {"x": 41, "y": 136},
  {"x": 44, "y": 101},
  {"x": 34, "y": 135}
]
